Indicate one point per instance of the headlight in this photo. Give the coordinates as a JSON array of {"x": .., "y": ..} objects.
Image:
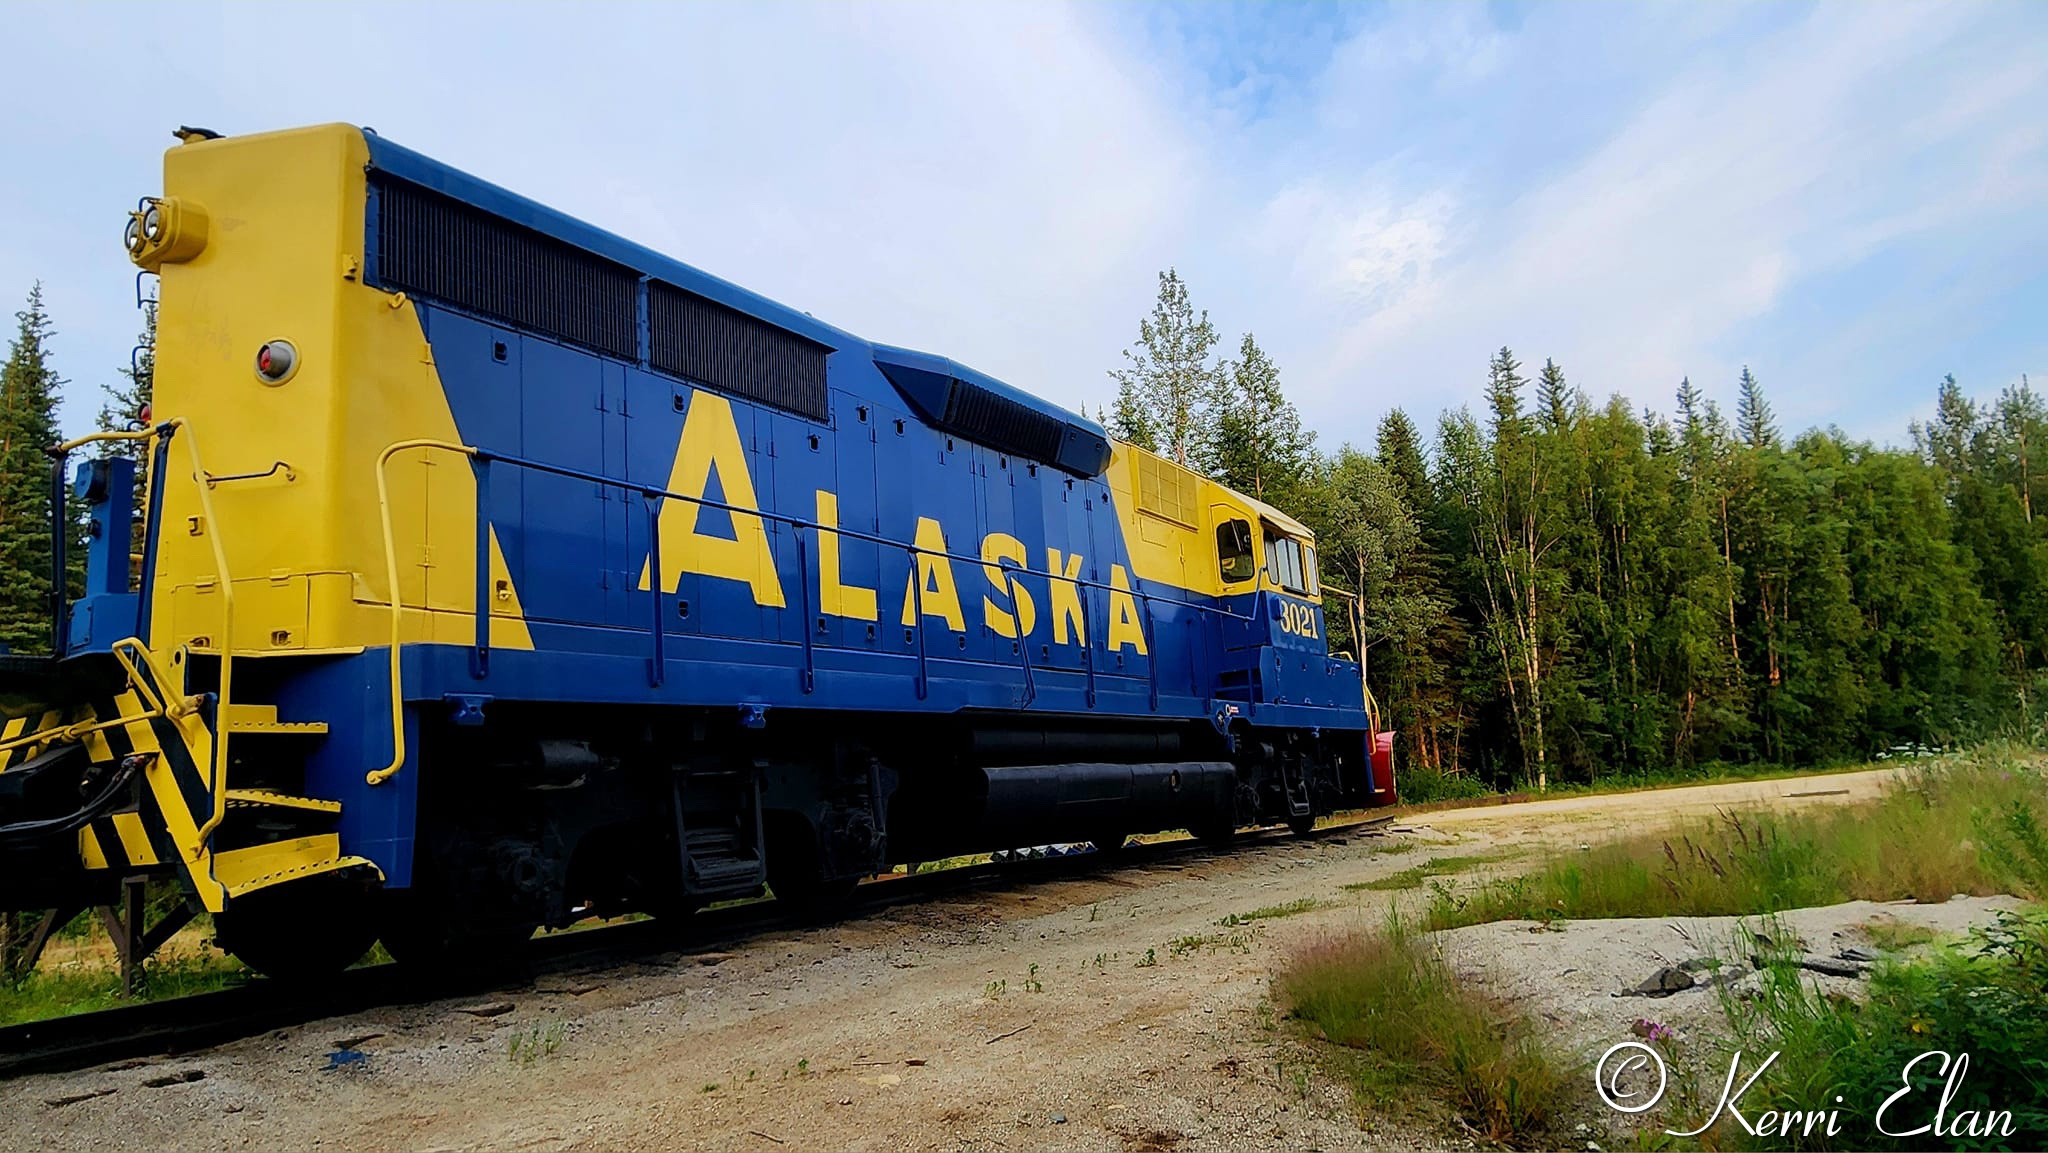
[{"x": 166, "y": 230}]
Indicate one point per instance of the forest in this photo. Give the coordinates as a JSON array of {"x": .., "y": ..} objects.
[
  {"x": 1555, "y": 590},
  {"x": 1559, "y": 590}
]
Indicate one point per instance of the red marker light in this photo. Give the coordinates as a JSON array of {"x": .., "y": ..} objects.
[
  {"x": 144, "y": 415},
  {"x": 275, "y": 361}
]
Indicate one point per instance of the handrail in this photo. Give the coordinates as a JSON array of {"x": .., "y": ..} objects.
[
  {"x": 379, "y": 776},
  {"x": 654, "y": 496},
  {"x": 217, "y": 771},
  {"x": 69, "y": 446},
  {"x": 795, "y": 521},
  {"x": 1372, "y": 704}
]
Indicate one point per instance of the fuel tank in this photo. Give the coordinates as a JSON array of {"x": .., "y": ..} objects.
[{"x": 1009, "y": 806}]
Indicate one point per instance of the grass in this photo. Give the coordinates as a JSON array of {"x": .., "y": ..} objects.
[
  {"x": 1895, "y": 936},
  {"x": 1236, "y": 942},
  {"x": 1423, "y": 791},
  {"x": 1412, "y": 878},
  {"x": 58, "y": 990},
  {"x": 1987, "y": 997},
  {"x": 1270, "y": 912},
  {"x": 1972, "y": 824},
  {"x": 538, "y": 1040},
  {"x": 1393, "y": 1003},
  {"x": 1975, "y": 823}
]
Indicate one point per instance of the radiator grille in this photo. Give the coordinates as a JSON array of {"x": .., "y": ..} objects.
[
  {"x": 439, "y": 248},
  {"x": 705, "y": 341}
]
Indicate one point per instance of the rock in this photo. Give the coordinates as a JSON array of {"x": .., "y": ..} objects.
[
  {"x": 1698, "y": 964},
  {"x": 1829, "y": 966},
  {"x": 1059, "y": 1118},
  {"x": 1664, "y": 982},
  {"x": 181, "y": 1077},
  {"x": 1858, "y": 953},
  {"x": 75, "y": 1098},
  {"x": 487, "y": 1009}
]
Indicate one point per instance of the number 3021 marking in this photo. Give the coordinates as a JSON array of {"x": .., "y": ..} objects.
[{"x": 1298, "y": 619}]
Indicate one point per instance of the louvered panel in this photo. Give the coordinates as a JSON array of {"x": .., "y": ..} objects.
[
  {"x": 702, "y": 340},
  {"x": 438, "y": 248}
]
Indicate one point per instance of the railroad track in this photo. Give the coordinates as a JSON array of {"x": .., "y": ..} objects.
[{"x": 203, "y": 1020}]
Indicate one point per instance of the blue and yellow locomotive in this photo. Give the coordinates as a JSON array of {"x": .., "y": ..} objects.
[{"x": 496, "y": 572}]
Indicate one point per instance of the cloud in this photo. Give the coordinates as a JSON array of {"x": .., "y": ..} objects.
[
  {"x": 1725, "y": 191},
  {"x": 979, "y": 181},
  {"x": 1844, "y": 196}
]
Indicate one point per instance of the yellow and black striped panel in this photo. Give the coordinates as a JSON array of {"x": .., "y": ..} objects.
[
  {"x": 20, "y": 726},
  {"x": 145, "y": 835}
]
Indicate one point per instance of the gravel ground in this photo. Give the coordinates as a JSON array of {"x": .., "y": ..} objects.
[{"x": 1124, "y": 1010}]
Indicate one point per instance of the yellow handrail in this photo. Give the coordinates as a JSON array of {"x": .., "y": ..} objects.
[
  {"x": 96, "y": 437},
  {"x": 379, "y": 776},
  {"x": 217, "y": 772},
  {"x": 227, "y": 634}
]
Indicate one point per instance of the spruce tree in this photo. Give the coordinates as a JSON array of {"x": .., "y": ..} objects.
[
  {"x": 1400, "y": 451},
  {"x": 1258, "y": 445},
  {"x": 1504, "y": 383},
  {"x": 28, "y": 425},
  {"x": 1129, "y": 421},
  {"x": 1753, "y": 413},
  {"x": 1554, "y": 397},
  {"x": 1416, "y": 678},
  {"x": 1170, "y": 377},
  {"x": 124, "y": 409}
]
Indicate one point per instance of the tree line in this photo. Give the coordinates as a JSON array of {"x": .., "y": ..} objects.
[{"x": 1558, "y": 590}]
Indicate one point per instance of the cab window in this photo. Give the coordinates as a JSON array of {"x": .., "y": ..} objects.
[
  {"x": 1310, "y": 572},
  {"x": 1284, "y": 563},
  {"x": 1234, "y": 555}
]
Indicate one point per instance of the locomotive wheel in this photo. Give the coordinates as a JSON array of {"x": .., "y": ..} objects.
[
  {"x": 300, "y": 930},
  {"x": 422, "y": 934},
  {"x": 1303, "y": 825}
]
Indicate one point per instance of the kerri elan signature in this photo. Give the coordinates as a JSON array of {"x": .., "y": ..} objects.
[{"x": 1623, "y": 1073}]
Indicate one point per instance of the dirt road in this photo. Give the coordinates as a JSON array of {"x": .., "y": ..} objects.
[{"x": 1124, "y": 1010}]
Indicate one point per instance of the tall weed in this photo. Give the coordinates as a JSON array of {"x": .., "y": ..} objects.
[{"x": 1391, "y": 998}]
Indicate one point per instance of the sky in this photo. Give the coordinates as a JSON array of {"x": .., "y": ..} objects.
[{"x": 1849, "y": 198}]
